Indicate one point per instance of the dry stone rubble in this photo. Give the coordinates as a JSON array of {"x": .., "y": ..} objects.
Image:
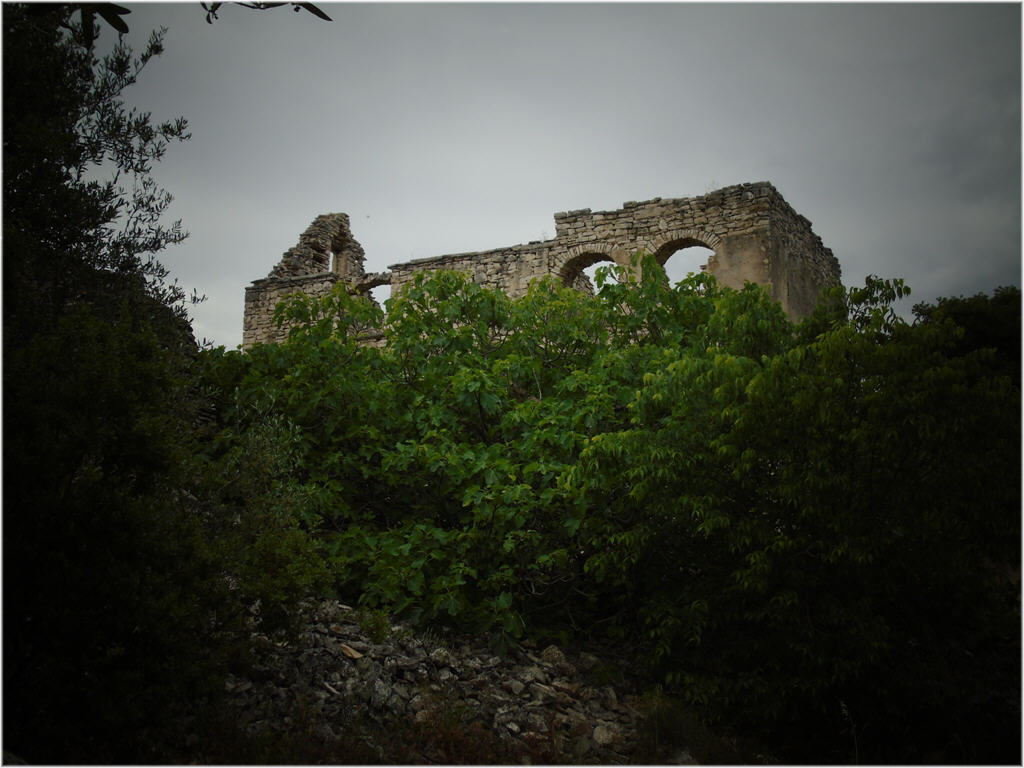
[{"x": 525, "y": 697}]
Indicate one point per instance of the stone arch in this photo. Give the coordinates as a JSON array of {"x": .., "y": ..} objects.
[
  {"x": 579, "y": 257},
  {"x": 365, "y": 285},
  {"x": 669, "y": 242},
  {"x": 373, "y": 280},
  {"x": 665, "y": 245}
]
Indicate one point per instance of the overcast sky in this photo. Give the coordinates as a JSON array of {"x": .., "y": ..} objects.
[{"x": 896, "y": 129}]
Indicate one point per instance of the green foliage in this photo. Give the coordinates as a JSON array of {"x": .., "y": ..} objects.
[
  {"x": 102, "y": 558},
  {"x": 376, "y": 623},
  {"x": 805, "y": 526},
  {"x": 257, "y": 516},
  {"x": 985, "y": 322},
  {"x": 791, "y": 512},
  {"x": 107, "y": 560}
]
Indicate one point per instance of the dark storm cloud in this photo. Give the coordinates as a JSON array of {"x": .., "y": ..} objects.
[{"x": 441, "y": 128}]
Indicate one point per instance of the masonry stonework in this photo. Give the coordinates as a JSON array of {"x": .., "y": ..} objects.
[{"x": 755, "y": 235}]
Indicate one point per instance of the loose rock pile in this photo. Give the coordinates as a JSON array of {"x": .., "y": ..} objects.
[{"x": 533, "y": 704}]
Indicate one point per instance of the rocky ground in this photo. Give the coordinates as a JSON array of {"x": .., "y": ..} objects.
[{"x": 356, "y": 684}]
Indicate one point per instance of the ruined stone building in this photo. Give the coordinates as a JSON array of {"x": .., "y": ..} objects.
[{"x": 755, "y": 235}]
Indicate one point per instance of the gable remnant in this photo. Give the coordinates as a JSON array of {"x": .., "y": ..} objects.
[{"x": 754, "y": 233}]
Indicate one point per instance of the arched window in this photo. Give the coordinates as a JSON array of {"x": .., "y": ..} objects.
[
  {"x": 381, "y": 294},
  {"x": 579, "y": 271},
  {"x": 687, "y": 260}
]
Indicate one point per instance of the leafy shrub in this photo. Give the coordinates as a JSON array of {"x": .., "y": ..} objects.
[{"x": 805, "y": 525}]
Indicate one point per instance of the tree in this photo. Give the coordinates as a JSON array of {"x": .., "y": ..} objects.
[
  {"x": 68, "y": 236},
  {"x": 127, "y": 581},
  {"x": 212, "y": 8},
  {"x": 986, "y": 322},
  {"x": 95, "y": 348},
  {"x": 819, "y": 531}
]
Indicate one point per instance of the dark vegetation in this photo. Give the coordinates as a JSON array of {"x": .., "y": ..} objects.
[{"x": 808, "y": 535}]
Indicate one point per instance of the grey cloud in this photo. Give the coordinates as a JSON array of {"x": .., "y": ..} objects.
[{"x": 439, "y": 128}]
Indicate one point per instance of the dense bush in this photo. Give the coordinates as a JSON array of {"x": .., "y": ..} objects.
[{"x": 811, "y": 529}]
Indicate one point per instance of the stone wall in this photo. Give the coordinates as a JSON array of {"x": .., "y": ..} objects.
[
  {"x": 258, "y": 326},
  {"x": 755, "y": 235}
]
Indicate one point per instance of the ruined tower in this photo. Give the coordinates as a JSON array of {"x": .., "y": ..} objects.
[{"x": 754, "y": 233}]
